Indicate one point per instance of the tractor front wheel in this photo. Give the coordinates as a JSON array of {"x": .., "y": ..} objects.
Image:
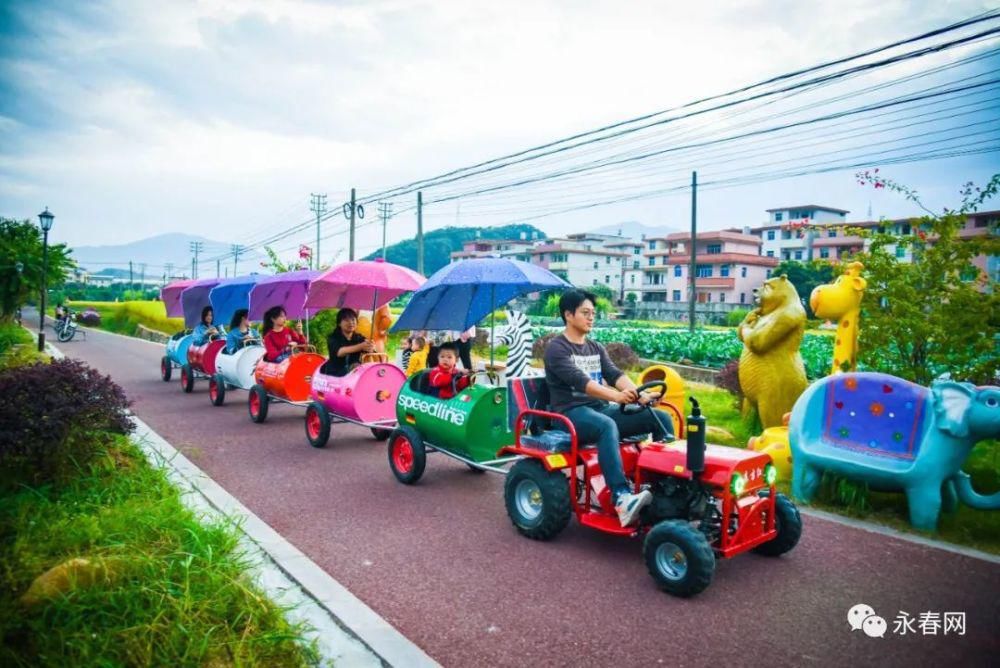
[
  {"x": 317, "y": 425},
  {"x": 537, "y": 500},
  {"x": 187, "y": 379},
  {"x": 407, "y": 455},
  {"x": 166, "y": 369},
  {"x": 679, "y": 558},
  {"x": 257, "y": 403},
  {"x": 789, "y": 526},
  {"x": 217, "y": 390}
]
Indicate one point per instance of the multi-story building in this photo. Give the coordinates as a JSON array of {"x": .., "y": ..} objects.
[
  {"x": 579, "y": 265},
  {"x": 631, "y": 268},
  {"x": 493, "y": 248},
  {"x": 785, "y": 235}
]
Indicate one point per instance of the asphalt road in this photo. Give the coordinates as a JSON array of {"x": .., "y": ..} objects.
[{"x": 441, "y": 562}]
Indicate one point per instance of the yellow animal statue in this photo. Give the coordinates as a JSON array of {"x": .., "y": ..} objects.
[
  {"x": 383, "y": 321},
  {"x": 771, "y": 372},
  {"x": 774, "y": 442},
  {"x": 675, "y": 390},
  {"x": 841, "y": 301}
]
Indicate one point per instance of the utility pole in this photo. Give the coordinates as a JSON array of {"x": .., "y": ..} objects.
[
  {"x": 385, "y": 212},
  {"x": 218, "y": 268},
  {"x": 317, "y": 203},
  {"x": 693, "y": 250},
  {"x": 131, "y": 284},
  {"x": 170, "y": 271},
  {"x": 142, "y": 276},
  {"x": 420, "y": 232},
  {"x": 196, "y": 248},
  {"x": 238, "y": 250},
  {"x": 353, "y": 210}
]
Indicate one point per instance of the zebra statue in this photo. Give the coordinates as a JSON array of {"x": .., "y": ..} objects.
[{"x": 516, "y": 335}]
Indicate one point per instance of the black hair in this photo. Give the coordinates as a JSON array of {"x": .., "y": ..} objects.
[
  {"x": 572, "y": 299},
  {"x": 238, "y": 318},
  {"x": 345, "y": 313},
  {"x": 205, "y": 311},
  {"x": 269, "y": 317},
  {"x": 448, "y": 345}
]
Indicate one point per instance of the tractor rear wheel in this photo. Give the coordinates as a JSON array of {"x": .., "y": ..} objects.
[
  {"x": 257, "y": 403},
  {"x": 166, "y": 369},
  {"x": 381, "y": 434},
  {"x": 217, "y": 390},
  {"x": 187, "y": 379},
  {"x": 789, "y": 526},
  {"x": 679, "y": 558},
  {"x": 317, "y": 425},
  {"x": 537, "y": 500},
  {"x": 407, "y": 454}
]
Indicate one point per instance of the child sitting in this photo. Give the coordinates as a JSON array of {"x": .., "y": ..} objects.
[
  {"x": 418, "y": 355},
  {"x": 445, "y": 377},
  {"x": 239, "y": 332},
  {"x": 407, "y": 344}
]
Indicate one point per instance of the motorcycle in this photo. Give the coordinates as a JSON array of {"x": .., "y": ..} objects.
[{"x": 66, "y": 327}]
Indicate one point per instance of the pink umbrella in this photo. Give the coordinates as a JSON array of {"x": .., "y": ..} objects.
[
  {"x": 361, "y": 284},
  {"x": 170, "y": 295}
]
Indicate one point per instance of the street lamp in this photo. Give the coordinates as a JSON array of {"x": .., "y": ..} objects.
[{"x": 45, "y": 220}]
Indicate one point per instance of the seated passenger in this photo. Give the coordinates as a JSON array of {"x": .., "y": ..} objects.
[
  {"x": 418, "y": 355},
  {"x": 278, "y": 338},
  {"x": 345, "y": 345},
  {"x": 445, "y": 378},
  {"x": 205, "y": 331},
  {"x": 239, "y": 331}
]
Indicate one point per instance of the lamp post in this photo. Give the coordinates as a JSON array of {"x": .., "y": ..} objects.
[
  {"x": 45, "y": 220},
  {"x": 19, "y": 268}
]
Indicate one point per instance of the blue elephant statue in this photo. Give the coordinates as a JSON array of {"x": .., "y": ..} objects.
[{"x": 896, "y": 436}]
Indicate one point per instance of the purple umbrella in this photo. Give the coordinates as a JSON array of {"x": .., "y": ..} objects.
[
  {"x": 195, "y": 297},
  {"x": 287, "y": 290},
  {"x": 170, "y": 295}
]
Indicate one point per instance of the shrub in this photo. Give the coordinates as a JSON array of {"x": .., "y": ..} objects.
[
  {"x": 538, "y": 347},
  {"x": 623, "y": 356},
  {"x": 728, "y": 378},
  {"x": 90, "y": 317},
  {"x": 53, "y": 415},
  {"x": 735, "y": 317},
  {"x": 12, "y": 334}
]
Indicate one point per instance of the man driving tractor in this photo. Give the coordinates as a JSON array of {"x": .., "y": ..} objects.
[{"x": 574, "y": 369}]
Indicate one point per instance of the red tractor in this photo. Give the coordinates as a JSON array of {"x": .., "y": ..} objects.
[{"x": 708, "y": 502}]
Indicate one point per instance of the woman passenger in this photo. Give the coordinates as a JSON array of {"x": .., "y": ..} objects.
[
  {"x": 345, "y": 344},
  {"x": 205, "y": 330},
  {"x": 239, "y": 331}
]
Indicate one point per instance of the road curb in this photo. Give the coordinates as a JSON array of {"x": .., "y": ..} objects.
[{"x": 347, "y": 631}]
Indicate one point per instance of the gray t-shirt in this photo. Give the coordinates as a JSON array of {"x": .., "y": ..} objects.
[{"x": 570, "y": 366}]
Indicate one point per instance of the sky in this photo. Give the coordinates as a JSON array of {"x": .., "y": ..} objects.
[{"x": 131, "y": 118}]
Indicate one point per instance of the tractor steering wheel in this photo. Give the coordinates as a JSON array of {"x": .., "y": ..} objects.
[{"x": 635, "y": 407}]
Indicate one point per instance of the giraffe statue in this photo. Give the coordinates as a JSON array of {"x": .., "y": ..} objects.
[{"x": 841, "y": 301}]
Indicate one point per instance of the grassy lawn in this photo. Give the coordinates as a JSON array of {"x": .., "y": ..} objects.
[
  {"x": 125, "y": 317},
  {"x": 169, "y": 590}
]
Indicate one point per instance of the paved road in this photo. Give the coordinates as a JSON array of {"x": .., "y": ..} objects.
[{"x": 441, "y": 562}]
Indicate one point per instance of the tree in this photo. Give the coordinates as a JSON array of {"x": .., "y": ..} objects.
[
  {"x": 21, "y": 242},
  {"x": 939, "y": 313},
  {"x": 805, "y": 276}
]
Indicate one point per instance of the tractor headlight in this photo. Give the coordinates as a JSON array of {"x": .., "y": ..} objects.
[
  {"x": 737, "y": 484},
  {"x": 770, "y": 474}
]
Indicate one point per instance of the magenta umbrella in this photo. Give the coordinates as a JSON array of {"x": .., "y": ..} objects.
[
  {"x": 361, "y": 284},
  {"x": 195, "y": 297},
  {"x": 170, "y": 295},
  {"x": 287, "y": 290}
]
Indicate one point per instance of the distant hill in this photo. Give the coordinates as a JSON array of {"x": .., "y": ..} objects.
[
  {"x": 633, "y": 229},
  {"x": 439, "y": 244},
  {"x": 156, "y": 252}
]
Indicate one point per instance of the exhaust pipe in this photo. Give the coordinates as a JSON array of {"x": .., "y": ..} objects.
[{"x": 696, "y": 440}]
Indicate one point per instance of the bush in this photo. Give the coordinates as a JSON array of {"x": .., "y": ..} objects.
[
  {"x": 735, "y": 317},
  {"x": 538, "y": 347},
  {"x": 728, "y": 378},
  {"x": 11, "y": 335},
  {"x": 90, "y": 317},
  {"x": 623, "y": 356},
  {"x": 54, "y": 415}
]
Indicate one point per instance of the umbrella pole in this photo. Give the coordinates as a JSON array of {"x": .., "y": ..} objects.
[
  {"x": 493, "y": 316},
  {"x": 307, "y": 325}
]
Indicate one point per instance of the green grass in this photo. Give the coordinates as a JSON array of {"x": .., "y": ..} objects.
[
  {"x": 125, "y": 317},
  {"x": 17, "y": 347},
  {"x": 178, "y": 594},
  {"x": 12, "y": 334}
]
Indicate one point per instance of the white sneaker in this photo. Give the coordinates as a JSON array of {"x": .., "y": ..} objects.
[{"x": 629, "y": 506}]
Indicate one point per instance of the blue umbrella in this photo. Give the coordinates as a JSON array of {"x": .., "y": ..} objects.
[
  {"x": 461, "y": 294},
  {"x": 231, "y": 295}
]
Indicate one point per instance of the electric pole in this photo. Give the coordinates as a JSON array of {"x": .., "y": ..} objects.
[
  {"x": 420, "y": 232},
  {"x": 238, "y": 250},
  {"x": 170, "y": 270},
  {"x": 218, "y": 268},
  {"x": 317, "y": 204},
  {"x": 196, "y": 248},
  {"x": 142, "y": 276},
  {"x": 693, "y": 270},
  {"x": 131, "y": 284},
  {"x": 385, "y": 212},
  {"x": 353, "y": 210}
]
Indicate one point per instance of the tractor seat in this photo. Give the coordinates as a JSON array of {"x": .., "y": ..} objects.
[{"x": 551, "y": 440}]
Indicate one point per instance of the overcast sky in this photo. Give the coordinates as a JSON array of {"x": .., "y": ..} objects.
[{"x": 133, "y": 118}]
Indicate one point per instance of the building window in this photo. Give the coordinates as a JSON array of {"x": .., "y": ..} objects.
[
  {"x": 663, "y": 260},
  {"x": 786, "y": 234},
  {"x": 541, "y": 257},
  {"x": 635, "y": 264},
  {"x": 632, "y": 279},
  {"x": 770, "y": 253},
  {"x": 595, "y": 265},
  {"x": 607, "y": 279},
  {"x": 786, "y": 255},
  {"x": 595, "y": 281},
  {"x": 743, "y": 272},
  {"x": 743, "y": 298},
  {"x": 677, "y": 295},
  {"x": 778, "y": 216},
  {"x": 652, "y": 245},
  {"x": 824, "y": 252},
  {"x": 652, "y": 261},
  {"x": 900, "y": 251},
  {"x": 704, "y": 271},
  {"x": 724, "y": 271},
  {"x": 768, "y": 275},
  {"x": 636, "y": 249},
  {"x": 714, "y": 249},
  {"x": 708, "y": 297},
  {"x": 677, "y": 270},
  {"x": 798, "y": 255},
  {"x": 831, "y": 233},
  {"x": 607, "y": 259},
  {"x": 770, "y": 234},
  {"x": 798, "y": 234},
  {"x": 722, "y": 297}
]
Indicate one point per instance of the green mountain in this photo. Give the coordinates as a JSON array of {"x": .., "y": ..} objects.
[{"x": 440, "y": 244}]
